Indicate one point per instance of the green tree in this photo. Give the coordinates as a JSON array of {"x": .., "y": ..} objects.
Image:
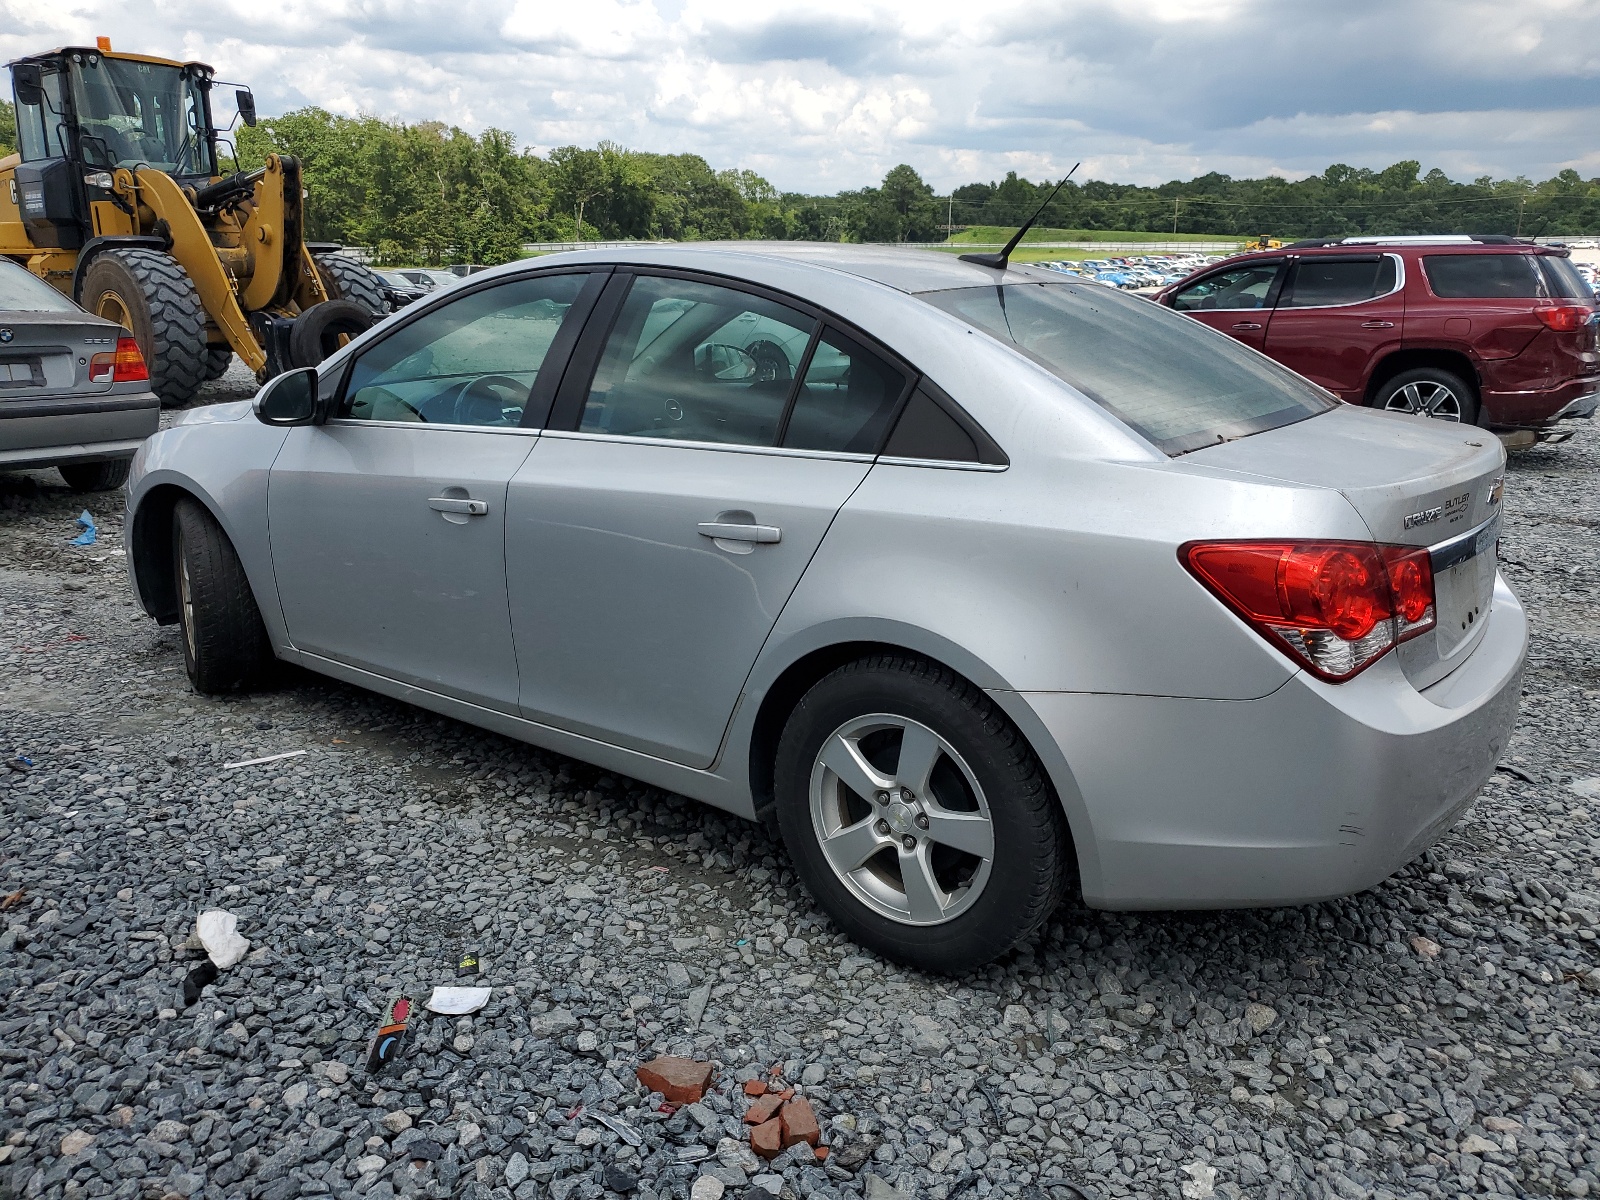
[{"x": 8, "y": 128}]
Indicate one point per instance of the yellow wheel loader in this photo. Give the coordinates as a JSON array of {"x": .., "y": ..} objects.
[{"x": 117, "y": 198}]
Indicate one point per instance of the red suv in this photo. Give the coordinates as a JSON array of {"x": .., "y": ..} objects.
[{"x": 1486, "y": 330}]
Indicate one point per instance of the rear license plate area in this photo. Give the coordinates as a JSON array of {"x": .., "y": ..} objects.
[
  {"x": 1463, "y": 584},
  {"x": 21, "y": 372}
]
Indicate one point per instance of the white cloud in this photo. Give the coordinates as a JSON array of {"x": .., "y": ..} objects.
[{"x": 826, "y": 94}]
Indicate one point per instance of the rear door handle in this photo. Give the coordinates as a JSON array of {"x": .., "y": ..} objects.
[
  {"x": 1377, "y": 324},
  {"x": 452, "y": 504},
  {"x": 1247, "y": 325},
  {"x": 733, "y": 531}
]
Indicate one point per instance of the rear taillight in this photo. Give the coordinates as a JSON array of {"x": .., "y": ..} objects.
[
  {"x": 1333, "y": 607},
  {"x": 126, "y": 365},
  {"x": 1564, "y": 318}
]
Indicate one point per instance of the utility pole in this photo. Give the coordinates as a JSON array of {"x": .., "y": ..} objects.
[
  {"x": 1521, "y": 203},
  {"x": 949, "y": 214},
  {"x": 1175, "y": 204}
]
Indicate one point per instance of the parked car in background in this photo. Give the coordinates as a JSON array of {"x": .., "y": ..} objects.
[
  {"x": 946, "y": 565},
  {"x": 1482, "y": 330},
  {"x": 400, "y": 289},
  {"x": 74, "y": 390}
]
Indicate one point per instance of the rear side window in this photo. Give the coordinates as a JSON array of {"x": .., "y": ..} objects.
[
  {"x": 846, "y": 399},
  {"x": 1483, "y": 276},
  {"x": 1175, "y": 381},
  {"x": 1563, "y": 279},
  {"x": 1322, "y": 282},
  {"x": 23, "y": 291}
]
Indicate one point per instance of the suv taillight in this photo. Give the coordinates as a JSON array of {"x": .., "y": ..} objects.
[
  {"x": 1564, "y": 318},
  {"x": 1334, "y": 608},
  {"x": 126, "y": 365}
]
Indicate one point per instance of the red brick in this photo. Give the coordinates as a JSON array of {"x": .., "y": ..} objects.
[
  {"x": 787, "y": 1093},
  {"x": 680, "y": 1080},
  {"x": 766, "y": 1139},
  {"x": 763, "y": 1110},
  {"x": 799, "y": 1123},
  {"x": 755, "y": 1088},
  {"x": 821, "y": 1153}
]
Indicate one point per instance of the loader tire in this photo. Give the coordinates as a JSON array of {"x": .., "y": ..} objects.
[
  {"x": 347, "y": 279},
  {"x": 218, "y": 360},
  {"x": 149, "y": 294}
]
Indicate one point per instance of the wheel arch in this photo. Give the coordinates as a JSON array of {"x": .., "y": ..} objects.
[
  {"x": 1457, "y": 362},
  {"x": 809, "y": 665}
]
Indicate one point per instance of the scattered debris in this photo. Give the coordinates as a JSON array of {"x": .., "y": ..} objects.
[
  {"x": 256, "y": 762},
  {"x": 1517, "y": 771},
  {"x": 218, "y": 932},
  {"x": 385, "y": 1046},
  {"x": 1426, "y": 947},
  {"x": 679, "y": 1080},
  {"x": 458, "y": 1001},
  {"x": 766, "y": 1139},
  {"x": 75, "y": 1141},
  {"x": 764, "y": 1109},
  {"x": 619, "y": 1127},
  {"x": 755, "y": 1088},
  {"x": 468, "y": 964},
  {"x": 21, "y": 764},
  {"x": 14, "y": 899},
  {"x": 799, "y": 1122},
  {"x": 197, "y": 980},
  {"x": 1202, "y": 1181},
  {"x": 1260, "y": 1017},
  {"x": 87, "y": 537}
]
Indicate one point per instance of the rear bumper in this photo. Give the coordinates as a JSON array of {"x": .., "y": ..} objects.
[
  {"x": 65, "y": 429},
  {"x": 1574, "y": 399},
  {"x": 1315, "y": 791}
]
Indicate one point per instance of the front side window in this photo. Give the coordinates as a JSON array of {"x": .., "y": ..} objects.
[
  {"x": 1483, "y": 276},
  {"x": 697, "y": 362},
  {"x": 472, "y": 361},
  {"x": 1170, "y": 378},
  {"x": 134, "y": 114},
  {"x": 1242, "y": 287},
  {"x": 1325, "y": 282},
  {"x": 42, "y": 125}
]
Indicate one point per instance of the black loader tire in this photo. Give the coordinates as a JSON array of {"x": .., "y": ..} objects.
[
  {"x": 151, "y": 295},
  {"x": 324, "y": 327},
  {"x": 1032, "y": 858},
  {"x": 218, "y": 360},
  {"x": 225, "y": 645},
  {"x": 347, "y": 279},
  {"x": 96, "y": 476}
]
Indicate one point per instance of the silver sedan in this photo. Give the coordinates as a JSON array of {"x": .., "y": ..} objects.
[{"x": 993, "y": 585}]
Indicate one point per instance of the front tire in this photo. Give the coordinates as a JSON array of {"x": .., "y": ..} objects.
[
  {"x": 1430, "y": 392},
  {"x": 917, "y": 814},
  {"x": 96, "y": 476},
  {"x": 149, "y": 294},
  {"x": 225, "y": 646}
]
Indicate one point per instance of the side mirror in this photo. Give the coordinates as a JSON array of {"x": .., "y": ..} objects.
[
  {"x": 28, "y": 80},
  {"x": 247, "y": 106},
  {"x": 290, "y": 399}
]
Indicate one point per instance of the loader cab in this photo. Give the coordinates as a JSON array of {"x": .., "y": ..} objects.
[{"x": 82, "y": 114}]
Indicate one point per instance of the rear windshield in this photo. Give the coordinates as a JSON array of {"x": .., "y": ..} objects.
[
  {"x": 1484, "y": 276},
  {"x": 23, "y": 291},
  {"x": 1177, "y": 382}
]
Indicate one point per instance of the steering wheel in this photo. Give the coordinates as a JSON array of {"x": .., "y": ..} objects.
[{"x": 474, "y": 401}]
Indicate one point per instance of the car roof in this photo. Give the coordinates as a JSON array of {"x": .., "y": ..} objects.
[{"x": 902, "y": 268}]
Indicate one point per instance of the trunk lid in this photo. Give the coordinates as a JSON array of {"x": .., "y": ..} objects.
[
  {"x": 48, "y": 353},
  {"x": 1414, "y": 482}
]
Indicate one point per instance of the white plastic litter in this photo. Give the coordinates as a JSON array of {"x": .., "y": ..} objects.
[
  {"x": 219, "y": 934},
  {"x": 256, "y": 762},
  {"x": 458, "y": 1001}
]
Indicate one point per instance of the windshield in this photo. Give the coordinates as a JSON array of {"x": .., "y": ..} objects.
[
  {"x": 1180, "y": 384},
  {"x": 134, "y": 114}
]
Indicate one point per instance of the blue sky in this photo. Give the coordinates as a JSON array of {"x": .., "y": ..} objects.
[{"x": 819, "y": 95}]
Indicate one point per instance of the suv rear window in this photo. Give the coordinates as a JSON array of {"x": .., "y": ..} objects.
[
  {"x": 1177, "y": 382},
  {"x": 1563, "y": 278},
  {"x": 1483, "y": 276}
]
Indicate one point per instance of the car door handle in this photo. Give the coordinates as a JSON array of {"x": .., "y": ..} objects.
[
  {"x": 734, "y": 531},
  {"x": 453, "y": 504},
  {"x": 1247, "y": 325},
  {"x": 1377, "y": 324}
]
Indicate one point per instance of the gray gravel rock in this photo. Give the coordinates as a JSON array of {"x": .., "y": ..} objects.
[{"x": 1436, "y": 1036}]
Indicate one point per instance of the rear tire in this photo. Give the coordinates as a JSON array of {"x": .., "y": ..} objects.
[
  {"x": 346, "y": 279},
  {"x": 218, "y": 360},
  {"x": 958, "y": 850},
  {"x": 96, "y": 476},
  {"x": 1430, "y": 392},
  {"x": 225, "y": 645},
  {"x": 149, "y": 294}
]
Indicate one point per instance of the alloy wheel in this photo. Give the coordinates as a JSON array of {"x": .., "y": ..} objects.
[
  {"x": 1426, "y": 398},
  {"x": 901, "y": 819}
]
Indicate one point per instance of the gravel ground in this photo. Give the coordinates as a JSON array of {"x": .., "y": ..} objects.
[{"x": 1433, "y": 1037}]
